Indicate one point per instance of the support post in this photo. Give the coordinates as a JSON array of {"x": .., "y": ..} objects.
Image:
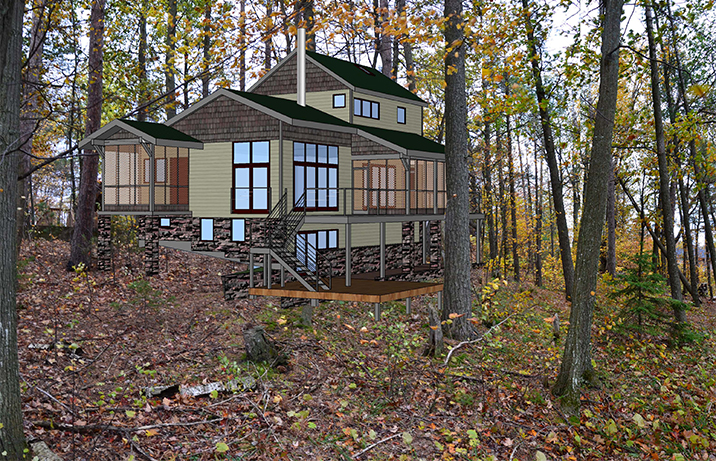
[
  {"x": 435, "y": 187},
  {"x": 251, "y": 272},
  {"x": 424, "y": 241},
  {"x": 382, "y": 237},
  {"x": 440, "y": 302},
  {"x": 283, "y": 277},
  {"x": 314, "y": 303},
  {"x": 267, "y": 270},
  {"x": 347, "y": 244},
  {"x": 408, "y": 306},
  {"x": 377, "y": 311}
]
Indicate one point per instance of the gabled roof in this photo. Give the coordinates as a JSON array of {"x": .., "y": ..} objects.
[
  {"x": 291, "y": 109},
  {"x": 364, "y": 77},
  {"x": 407, "y": 141},
  {"x": 152, "y": 133}
]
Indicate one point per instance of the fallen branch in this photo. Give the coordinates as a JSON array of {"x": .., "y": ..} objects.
[
  {"x": 370, "y": 447},
  {"x": 106, "y": 427},
  {"x": 473, "y": 341},
  {"x": 50, "y": 396}
]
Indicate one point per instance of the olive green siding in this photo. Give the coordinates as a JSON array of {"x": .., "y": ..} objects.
[{"x": 388, "y": 108}]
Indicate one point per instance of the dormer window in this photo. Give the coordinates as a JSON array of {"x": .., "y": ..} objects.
[
  {"x": 339, "y": 101},
  {"x": 368, "y": 109}
]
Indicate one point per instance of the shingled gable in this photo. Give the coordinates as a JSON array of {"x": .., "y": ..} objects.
[
  {"x": 122, "y": 131},
  {"x": 324, "y": 73}
]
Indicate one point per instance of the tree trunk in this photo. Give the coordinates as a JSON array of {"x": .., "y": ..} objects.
[
  {"x": 489, "y": 208},
  {"x": 12, "y": 439},
  {"x": 85, "y": 217},
  {"x": 305, "y": 12},
  {"x": 555, "y": 182},
  {"x": 170, "y": 70},
  {"x": 31, "y": 116},
  {"x": 268, "y": 35},
  {"x": 142, "y": 60},
  {"x": 611, "y": 257},
  {"x": 242, "y": 46},
  {"x": 410, "y": 66},
  {"x": 457, "y": 279},
  {"x": 689, "y": 247},
  {"x": 576, "y": 365},
  {"x": 538, "y": 223},
  {"x": 667, "y": 217},
  {"x": 513, "y": 211},
  {"x": 206, "y": 48},
  {"x": 384, "y": 40}
]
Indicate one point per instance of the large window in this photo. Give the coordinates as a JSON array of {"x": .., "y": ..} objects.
[
  {"x": 307, "y": 242},
  {"x": 316, "y": 171},
  {"x": 250, "y": 193},
  {"x": 365, "y": 108}
]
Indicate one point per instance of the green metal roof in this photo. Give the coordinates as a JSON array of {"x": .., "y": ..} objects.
[
  {"x": 160, "y": 131},
  {"x": 409, "y": 141},
  {"x": 364, "y": 77},
  {"x": 291, "y": 109}
]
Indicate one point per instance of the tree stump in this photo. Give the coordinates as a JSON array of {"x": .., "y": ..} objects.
[
  {"x": 307, "y": 312},
  {"x": 435, "y": 345},
  {"x": 258, "y": 347}
]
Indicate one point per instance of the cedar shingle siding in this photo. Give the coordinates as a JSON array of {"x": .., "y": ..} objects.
[
  {"x": 225, "y": 120},
  {"x": 301, "y": 134},
  {"x": 363, "y": 146},
  {"x": 123, "y": 134},
  {"x": 283, "y": 80}
]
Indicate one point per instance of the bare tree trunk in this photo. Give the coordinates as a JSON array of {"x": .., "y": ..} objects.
[
  {"x": 206, "y": 48},
  {"x": 84, "y": 219},
  {"x": 12, "y": 439},
  {"x": 611, "y": 257},
  {"x": 489, "y": 208},
  {"x": 668, "y": 221},
  {"x": 576, "y": 365},
  {"x": 170, "y": 69},
  {"x": 555, "y": 182},
  {"x": 457, "y": 279}
]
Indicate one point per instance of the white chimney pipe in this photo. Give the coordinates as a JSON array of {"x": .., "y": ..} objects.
[{"x": 301, "y": 68}]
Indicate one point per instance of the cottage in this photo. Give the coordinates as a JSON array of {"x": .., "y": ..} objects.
[{"x": 320, "y": 173}]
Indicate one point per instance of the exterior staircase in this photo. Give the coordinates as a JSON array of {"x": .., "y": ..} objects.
[{"x": 306, "y": 265}]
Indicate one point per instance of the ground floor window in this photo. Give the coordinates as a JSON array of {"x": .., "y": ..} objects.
[
  {"x": 238, "y": 230},
  {"x": 307, "y": 242},
  {"x": 207, "y": 230}
]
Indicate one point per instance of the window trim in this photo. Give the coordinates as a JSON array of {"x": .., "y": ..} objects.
[
  {"x": 251, "y": 166},
  {"x": 398, "y": 110},
  {"x": 371, "y": 105},
  {"x": 333, "y": 101},
  {"x": 243, "y": 239},
  {"x": 201, "y": 229}
]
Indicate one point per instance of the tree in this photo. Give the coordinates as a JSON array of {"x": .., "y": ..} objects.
[
  {"x": 84, "y": 221},
  {"x": 457, "y": 280},
  {"x": 576, "y": 365},
  {"x": 550, "y": 155},
  {"x": 12, "y": 439},
  {"x": 667, "y": 217}
]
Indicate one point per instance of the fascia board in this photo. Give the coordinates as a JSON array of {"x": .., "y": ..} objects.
[
  {"x": 187, "y": 144},
  {"x": 376, "y": 156},
  {"x": 420, "y": 155},
  {"x": 109, "y": 130}
]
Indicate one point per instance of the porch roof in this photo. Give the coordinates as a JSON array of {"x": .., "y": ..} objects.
[{"x": 152, "y": 133}]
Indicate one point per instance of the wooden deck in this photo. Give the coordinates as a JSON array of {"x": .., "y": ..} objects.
[{"x": 367, "y": 291}]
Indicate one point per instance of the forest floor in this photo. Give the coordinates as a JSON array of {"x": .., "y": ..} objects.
[{"x": 353, "y": 388}]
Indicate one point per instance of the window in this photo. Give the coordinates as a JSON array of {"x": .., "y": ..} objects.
[
  {"x": 368, "y": 109},
  {"x": 238, "y": 230},
  {"x": 401, "y": 115},
  {"x": 307, "y": 242},
  {"x": 339, "y": 100},
  {"x": 207, "y": 233},
  {"x": 316, "y": 175},
  {"x": 165, "y": 222},
  {"x": 250, "y": 193},
  {"x": 160, "y": 170}
]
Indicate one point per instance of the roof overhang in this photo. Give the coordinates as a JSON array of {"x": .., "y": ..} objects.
[{"x": 103, "y": 137}]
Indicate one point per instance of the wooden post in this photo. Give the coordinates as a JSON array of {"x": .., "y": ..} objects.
[
  {"x": 347, "y": 244},
  {"x": 382, "y": 237}
]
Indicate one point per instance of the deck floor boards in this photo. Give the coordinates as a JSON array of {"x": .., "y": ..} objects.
[{"x": 369, "y": 291}]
